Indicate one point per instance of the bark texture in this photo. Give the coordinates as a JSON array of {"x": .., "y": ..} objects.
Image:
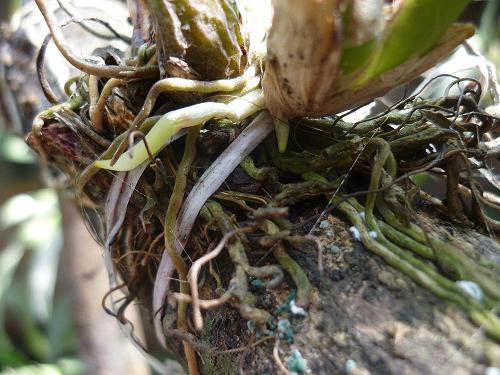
[{"x": 367, "y": 314}]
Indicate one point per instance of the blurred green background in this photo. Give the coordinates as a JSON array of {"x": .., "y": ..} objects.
[
  {"x": 36, "y": 330},
  {"x": 52, "y": 274}
]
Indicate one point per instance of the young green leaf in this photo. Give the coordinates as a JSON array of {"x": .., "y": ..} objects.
[
  {"x": 416, "y": 27},
  {"x": 362, "y": 27},
  {"x": 346, "y": 95}
]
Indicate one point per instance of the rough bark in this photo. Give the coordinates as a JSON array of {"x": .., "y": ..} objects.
[{"x": 364, "y": 311}]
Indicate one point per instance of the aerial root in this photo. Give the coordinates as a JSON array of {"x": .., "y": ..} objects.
[
  {"x": 296, "y": 272},
  {"x": 385, "y": 164},
  {"x": 107, "y": 71},
  {"x": 239, "y": 281},
  {"x": 188, "y": 85},
  {"x": 419, "y": 271},
  {"x": 202, "y": 304},
  {"x": 238, "y": 285},
  {"x": 171, "y": 246},
  {"x": 277, "y": 359},
  {"x": 412, "y": 137},
  {"x": 171, "y": 123},
  {"x": 98, "y": 108},
  {"x": 42, "y": 73},
  {"x": 131, "y": 139}
]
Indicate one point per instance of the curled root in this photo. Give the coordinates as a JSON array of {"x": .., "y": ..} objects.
[{"x": 195, "y": 270}]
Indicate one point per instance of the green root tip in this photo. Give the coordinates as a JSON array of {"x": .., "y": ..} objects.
[{"x": 282, "y": 129}]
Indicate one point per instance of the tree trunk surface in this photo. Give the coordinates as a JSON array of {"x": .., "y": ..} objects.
[{"x": 365, "y": 318}]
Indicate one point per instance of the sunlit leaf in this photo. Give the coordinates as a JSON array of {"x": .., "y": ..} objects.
[
  {"x": 348, "y": 95},
  {"x": 324, "y": 58},
  {"x": 60, "y": 327},
  {"x": 16, "y": 210},
  {"x": 10, "y": 356},
  {"x": 42, "y": 277},
  {"x": 363, "y": 22},
  {"x": 416, "y": 27},
  {"x": 32, "y": 336}
]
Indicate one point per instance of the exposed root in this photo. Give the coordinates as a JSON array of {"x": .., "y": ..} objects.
[
  {"x": 170, "y": 241},
  {"x": 296, "y": 272},
  {"x": 188, "y": 85},
  {"x": 97, "y": 111},
  {"x": 42, "y": 73},
  {"x": 277, "y": 359},
  {"x": 171, "y": 123},
  {"x": 194, "y": 272},
  {"x": 81, "y": 64},
  {"x": 374, "y": 160}
]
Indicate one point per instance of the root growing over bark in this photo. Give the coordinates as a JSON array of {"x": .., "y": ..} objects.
[{"x": 364, "y": 172}]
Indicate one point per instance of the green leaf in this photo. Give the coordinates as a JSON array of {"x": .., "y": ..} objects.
[
  {"x": 15, "y": 150},
  {"x": 42, "y": 369},
  {"x": 10, "y": 356},
  {"x": 60, "y": 329},
  {"x": 362, "y": 26},
  {"x": 353, "y": 58},
  {"x": 346, "y": 94},
  {"x": 414, "y": 30},
  {"x": 10, "y": 256}
]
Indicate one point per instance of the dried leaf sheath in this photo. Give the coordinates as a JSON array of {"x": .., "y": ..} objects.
[
  {"x": 303, "y": 55},
  {"x": 324, "y": 57},
  {"x": 141, "y": 19}
]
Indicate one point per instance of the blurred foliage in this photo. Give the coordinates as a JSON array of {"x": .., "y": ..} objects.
[
  {"x": 36, "y": 331},
  {"x": 489, "y": 32},
  {"x": 14, "y": 150},
  {"x": 7, "y": 8}
]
